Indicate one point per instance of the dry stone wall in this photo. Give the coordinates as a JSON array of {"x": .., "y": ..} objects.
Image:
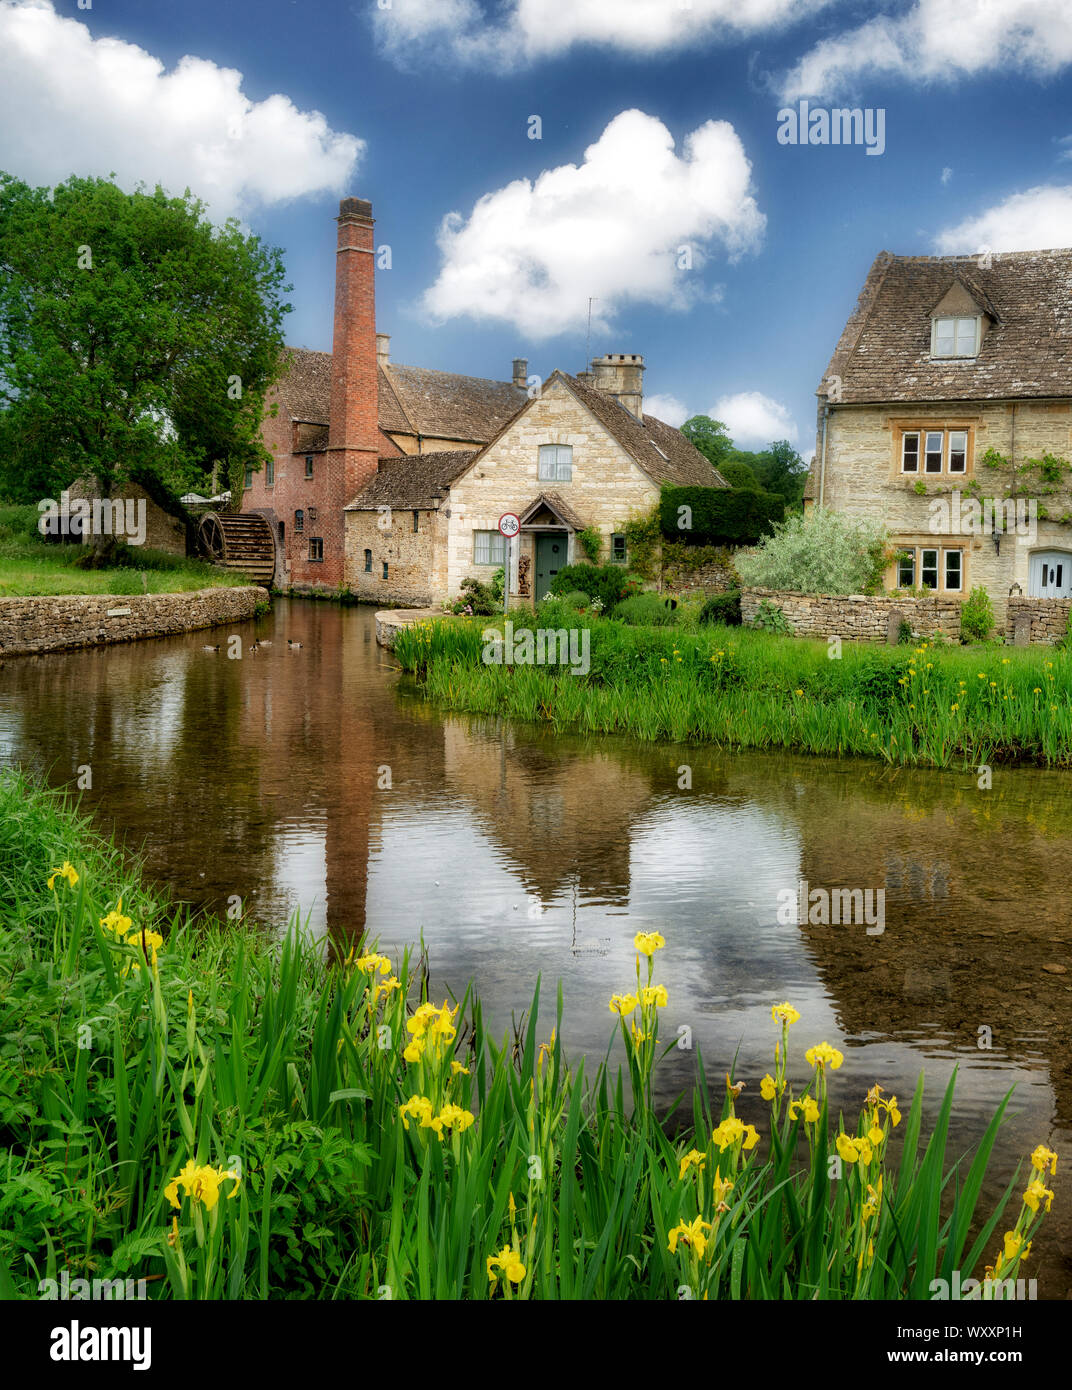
[
  {"x": 1046, "y": 619},
  {"x": 56, "y": 623},
  {"x": 858, "y": 617}
]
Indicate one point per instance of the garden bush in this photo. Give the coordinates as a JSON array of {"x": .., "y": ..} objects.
[
  {"x": 722, "y": 608},
  {"x": 479, "y": 598},
  {"x": 608, "y": 583},
  {"x": 977, "y": 616},
  {"x": 645, "y": 610},
  {"x": 824, "y": 553},
  {"x": 577, "y": 599}
]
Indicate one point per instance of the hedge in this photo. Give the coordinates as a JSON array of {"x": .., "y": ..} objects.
[{"x": 719, "y": 516}]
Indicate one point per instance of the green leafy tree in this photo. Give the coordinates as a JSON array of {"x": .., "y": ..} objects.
[
  {"x": 137, "y": 340},
  {"x": 781, "y": 470},
  {"x": 710, "y": 437}
]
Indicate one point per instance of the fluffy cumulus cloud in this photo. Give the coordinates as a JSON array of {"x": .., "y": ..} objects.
[
  {"x": 1036, "y": 220},
  {"x": 518, "y": 32},
  {"x": 940, "y": 41},
  {"x": 634, "y": 221},
  {"x": 72, "y": 103},
  {"x": 754, "y": 420},
  {"x": 667, "y": 408}
]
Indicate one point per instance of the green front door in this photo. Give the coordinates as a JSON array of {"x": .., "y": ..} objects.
[{"x": 550, "y": 557}]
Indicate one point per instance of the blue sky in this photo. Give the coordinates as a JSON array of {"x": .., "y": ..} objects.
[{"x": 424, "y": 107}]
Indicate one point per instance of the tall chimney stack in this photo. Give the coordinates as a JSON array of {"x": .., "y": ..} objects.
[
  {"x": 620, "y": 374},
  {"x": 521, "y": 372},
  {"x": 353, "y": 433}
]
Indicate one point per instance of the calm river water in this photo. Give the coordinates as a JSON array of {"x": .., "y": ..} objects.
[{"x": 315, "y": 778}]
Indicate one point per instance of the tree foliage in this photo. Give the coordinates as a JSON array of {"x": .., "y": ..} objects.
[
  {"x": 137, "y": 340},
  {"x": 718, "y": 516},
  {"x": 825, "y": 553}
]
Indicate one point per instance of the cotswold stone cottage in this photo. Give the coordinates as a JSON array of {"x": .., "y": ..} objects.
[
  {"x": 390, "y": 480},
  {"x": 946, "y": 413}
]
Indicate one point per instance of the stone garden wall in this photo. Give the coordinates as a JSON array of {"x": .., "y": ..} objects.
[
  {"x": 859, "y": 617},
  {"x": 56, "y": 623},
  {"x": 1039, "y": 620}
]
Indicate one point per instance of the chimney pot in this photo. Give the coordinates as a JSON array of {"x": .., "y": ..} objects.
[{"x": 521, "y": 371}]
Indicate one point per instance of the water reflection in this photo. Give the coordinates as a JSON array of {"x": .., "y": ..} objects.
[{"x": 317, "y": 778}]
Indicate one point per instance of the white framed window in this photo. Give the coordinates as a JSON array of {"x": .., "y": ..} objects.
[
  {"x": 958, "y": 451},
  {"x": 489, "y": 548},
  {"x": 928, "y": 569},
  {"x": 954, "y": 569},
  {"x": 933, "y": 451},
  {"x": 931, "y": 567},
  {"x": 910, "y": 452},
  {"x": 954, "y": 337},
  {"x": 906, "y": 570},
  {"x": 556, "y": 463}
]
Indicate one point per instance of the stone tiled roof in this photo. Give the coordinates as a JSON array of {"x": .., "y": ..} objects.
[
  {"x": 446, "y": 405},
  {"x": 663, "y": 452},
  {"x": 412, "y": 480},
  {"x": 412, "y": 400},
  {"x": 1026, "y": 351}
]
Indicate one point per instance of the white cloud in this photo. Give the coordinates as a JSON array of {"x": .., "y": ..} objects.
[
  {"x": 518, "y": 32},
  {"x": 753, "y": 420},
  {"x": 614, "y": 228},
  {"x": 666, "y": 408},
  {"x": 947, "y": 174},
  {"x": 1036, "y": 220},
  {"x": 70, "y": 103},
  {"x": 940, "y": 41}
]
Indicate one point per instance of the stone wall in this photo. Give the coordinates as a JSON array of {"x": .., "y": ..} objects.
[
  {"x": 1048, "y": 618},
  {"x": 716, "y": 576},
  {"x": 858, "y": 617},
  {"x": 57, "y": 623}
]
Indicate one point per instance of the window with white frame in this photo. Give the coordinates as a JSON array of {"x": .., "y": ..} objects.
[
  {"x": 556, "y": 463},
  {"x": 489, "y": 548},
  {"x": 954, "y": 337},
  {"x": 931, "y": 567},
  {"x": 943, "y": 451}
]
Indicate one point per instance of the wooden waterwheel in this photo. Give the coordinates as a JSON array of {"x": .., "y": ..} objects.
[{"x": 241, "y": 541}]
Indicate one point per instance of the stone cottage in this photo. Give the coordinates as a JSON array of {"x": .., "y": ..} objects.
[
  {"x": 946, "y": 413},
  {"x": 580, "y": 455},
  {"x": 390, "y": 480}
]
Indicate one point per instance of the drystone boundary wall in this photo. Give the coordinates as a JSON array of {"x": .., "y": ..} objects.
[
  {"x": 1038, "y": 620},
  {"x": 61, "y": 622},
  {"x": 858, "y": 617}
]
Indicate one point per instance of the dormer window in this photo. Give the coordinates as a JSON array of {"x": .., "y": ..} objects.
[{"x": 954, "y": 337}]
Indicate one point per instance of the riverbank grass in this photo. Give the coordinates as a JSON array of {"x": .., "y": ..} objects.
[
  {"x": 923, "y": 704},
  {"x": 186, "y": 1103}
]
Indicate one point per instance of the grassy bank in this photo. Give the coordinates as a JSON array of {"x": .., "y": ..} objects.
[
  {"x": 936, "y": 706},
  {"x": 29, "y": 566},
  {"x": 181, "y": 1104}
]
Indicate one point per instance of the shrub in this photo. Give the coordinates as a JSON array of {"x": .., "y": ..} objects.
[
  {"x": 977, "y": 616},
  {"x": 480, "y": 598},
  {"x": 577, "y": 599},
  {"x": 824, "y": 553},
  {"x": 722, "y": 608},
  {"x": 605, "y": 582},
  {"x": 770, "y": 618},
  {"x": 645, "y": 610},
  {"x": 591, "y": 542},
  {"x": 719, "y": 516}
]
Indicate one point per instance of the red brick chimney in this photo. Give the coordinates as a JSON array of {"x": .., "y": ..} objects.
[{"x": 353, "y": 435}]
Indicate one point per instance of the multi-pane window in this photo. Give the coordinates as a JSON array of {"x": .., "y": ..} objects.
[
  {"x": 556, "y": 463},
  {"x": 316, "y": 548},
  {"x": 269, "y": 472},
  {"x": 944, "y": 451},
  {"x": 368, "y": 561},
  {"x": 416, "y": 520},
  {"x": 385, "y": 569},
  {"x": 308, "y": 465},
  {"x": 299, "y": 520},
  {"x": 617, "y": 550},
  {"x": 955, "y": 337},
  {"x": 249, "y": 478},
  {"x": 938, "y": 568},
  {"x": 489, "y": 548}
]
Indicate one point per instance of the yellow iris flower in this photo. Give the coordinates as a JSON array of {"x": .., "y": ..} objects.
[
  {"x": 67, "y": 871},
  {"x": 648, "y": 942},
  {"x": 201, "y": 1184}
]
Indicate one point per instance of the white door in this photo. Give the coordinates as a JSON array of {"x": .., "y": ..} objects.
[{"x": 1050, "y": 574}]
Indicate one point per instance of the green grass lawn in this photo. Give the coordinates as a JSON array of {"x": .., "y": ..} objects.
[{"x": 29, "y": 566}]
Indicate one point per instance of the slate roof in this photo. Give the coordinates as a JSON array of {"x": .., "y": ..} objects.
[
  {"x": 662, "y": 451},
  {"x": 412, "y": 400},
  {"x": 1026, "y": 351},
  {"x": 412, "y": 480}
]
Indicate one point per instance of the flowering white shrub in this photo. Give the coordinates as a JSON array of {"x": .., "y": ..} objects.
[{"x": 823, "y": 553}]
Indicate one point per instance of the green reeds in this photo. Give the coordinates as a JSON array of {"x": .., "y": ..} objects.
[{"x": 182, "y": 1102}]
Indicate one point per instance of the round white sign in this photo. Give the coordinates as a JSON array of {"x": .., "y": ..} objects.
[{"x": 509, "y": 524}]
